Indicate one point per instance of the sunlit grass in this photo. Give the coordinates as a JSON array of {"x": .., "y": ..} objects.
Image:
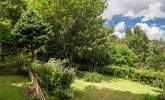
[
  {"x": 11, "y": 87},
  {"x": 113, "y": 89}
]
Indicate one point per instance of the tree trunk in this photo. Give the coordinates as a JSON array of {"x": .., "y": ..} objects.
[{"x": 34, "y": 56}]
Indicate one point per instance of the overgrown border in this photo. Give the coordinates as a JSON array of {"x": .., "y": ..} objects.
[{"x": 151, "y": 77}]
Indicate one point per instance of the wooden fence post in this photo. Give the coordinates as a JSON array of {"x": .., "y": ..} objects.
[{"x": 38, "y": 89}]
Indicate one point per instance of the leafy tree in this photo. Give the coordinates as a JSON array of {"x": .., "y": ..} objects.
[
  {"x": 5, "y": 25},
  {"x": 156, "y": 55},
  {"x": 138, "y": 42},
  {"x": 76, "y": 23},
  {"x": 121, "y": 55},
  {"x": 12, "y": 9},
  {"x": 110, "y": 30},
  {"x": 32, "y": 32},
  {"x": 10, "y": 12},
  {"x": 112, "y": 37}
]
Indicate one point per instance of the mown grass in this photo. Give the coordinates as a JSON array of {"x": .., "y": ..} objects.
[
  {"x": 11, "y": 87},
  {"x": 113, "y": 89}
]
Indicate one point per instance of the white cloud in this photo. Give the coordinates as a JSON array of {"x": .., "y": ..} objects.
[
  {"x": 152, "y": 12},
  {"x": 148, "y": 9},
  {"x": 163, "y": 26},
  {"x": 153, "y": 32},
  {"x": 119, "y": 30},
  {"x": 120, "y": 26},
  {"x": 130, "y": 14}
]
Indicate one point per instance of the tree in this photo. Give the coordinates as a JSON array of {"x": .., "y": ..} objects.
[
  {"x": 121, "y": 55},
  {"x": 138, "y": 42},
  {"x": 112, "y": 37},
  {"x": 76, "y": 23},
  {"x": 32, "y": 32},
  {"x": 11, "y": 11},
  {"x": 156, "y": 55}
]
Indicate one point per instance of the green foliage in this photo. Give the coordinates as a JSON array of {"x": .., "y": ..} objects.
[
  {"x": 142, "y": 75},
  {"x": 5, "y": 37},
  {"x": 32, "y": 32},
  {"x": 138, "y": 42},
  {"x": 96, "y": 55},
  {"x": 56, "y": 79},
  {"x": 156, "y": 55},
  {"x": 15, "y": 64},
  {"x": 11, "y": 11},
  {"x": 111, "y": 53},
  {"x": 92, "y": 77},
  {"x": 77, "y": 26},
  {"x": 5, "y": 25},
  {"x": 121, "y": 55}
]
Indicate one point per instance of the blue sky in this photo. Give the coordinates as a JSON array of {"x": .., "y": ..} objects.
[{"x": 147, "y": 14}]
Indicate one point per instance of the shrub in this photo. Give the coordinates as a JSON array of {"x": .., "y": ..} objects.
[
  {"x": 56, "y": 79},
  {"x": 15, "y": 64},
  {"x": 142, "y": 75},
  {"x": 92, "y": 77}
]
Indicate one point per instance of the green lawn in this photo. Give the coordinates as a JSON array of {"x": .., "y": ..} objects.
[
  {"x": 11, "y": 87},
  {"x": 113, "y": 89}
]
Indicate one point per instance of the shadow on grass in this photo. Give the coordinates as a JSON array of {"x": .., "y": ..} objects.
[
  {"x": 11, "y": 87},
  {"x": 94, "y": 93}
]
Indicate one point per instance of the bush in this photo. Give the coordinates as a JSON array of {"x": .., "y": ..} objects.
[
  {"x": 56, "y": 79},
  {"x": 15, "y": 64},
  {"x": 142, "y": 75},
  {"x": 92, "y": 77}
]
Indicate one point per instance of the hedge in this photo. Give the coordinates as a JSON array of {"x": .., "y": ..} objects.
[{"x": 155, "y": 78}]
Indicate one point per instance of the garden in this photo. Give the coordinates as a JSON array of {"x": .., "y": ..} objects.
[{"x": 61, "y": 50}]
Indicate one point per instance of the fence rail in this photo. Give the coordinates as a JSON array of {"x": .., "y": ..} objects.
[{"x": 38, "y": 89}]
